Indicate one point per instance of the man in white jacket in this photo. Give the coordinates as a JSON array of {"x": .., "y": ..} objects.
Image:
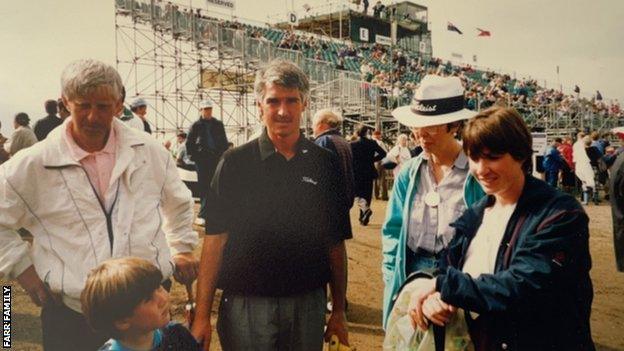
[{"x": 94, "y": 189}]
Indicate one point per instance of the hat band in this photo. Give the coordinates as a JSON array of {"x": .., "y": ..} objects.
[{"x": 437, "y": 107}]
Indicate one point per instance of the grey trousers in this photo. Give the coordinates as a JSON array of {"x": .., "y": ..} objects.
[{"x": 272, "y": 323}]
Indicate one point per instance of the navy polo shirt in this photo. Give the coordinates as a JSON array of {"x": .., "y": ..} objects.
[{"x": 282, "y": 217}]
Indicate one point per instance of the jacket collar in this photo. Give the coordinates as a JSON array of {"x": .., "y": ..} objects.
[
  {"x": 461, "y": 161},
  {"x": 56, "y": 153},
  {"x": 532, "y": 192}
]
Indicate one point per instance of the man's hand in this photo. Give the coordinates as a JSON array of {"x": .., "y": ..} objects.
[
  {"x": 202, "y": 332},
  {"x": 416, "y": 302},
  {"x": 186, "y": 268},
  {"x": 337, "y": 325},
  {"x": 436, "y": 310},
  {"x": 36, "y": 289}
]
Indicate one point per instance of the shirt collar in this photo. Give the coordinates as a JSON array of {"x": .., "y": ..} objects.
[
  {"x": 267, "y": 149},
  {"x": 77, "y": 153},
  {"x": 461, "y": 161}
]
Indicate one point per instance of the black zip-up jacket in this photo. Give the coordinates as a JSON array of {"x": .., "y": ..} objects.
[
  {"x": 540, "y": 295},
  {"x": 197, "y": 145}
]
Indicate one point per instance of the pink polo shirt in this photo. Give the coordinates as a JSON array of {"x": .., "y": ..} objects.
[{"x": 98, "y": 165}]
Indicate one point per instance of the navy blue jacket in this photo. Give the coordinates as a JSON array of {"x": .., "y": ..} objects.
[
  {"x": 553, "y": 161},
  {"x": 334, "y": 142},
  {"x": 540, "y": 295}
]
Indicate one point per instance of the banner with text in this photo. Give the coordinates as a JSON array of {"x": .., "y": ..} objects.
[
  {"x": 228, "y": 4},
  {"x": 383, "y": 40}
]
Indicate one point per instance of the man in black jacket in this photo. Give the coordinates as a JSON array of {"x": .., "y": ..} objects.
[
  {"x": 365, "y": 153},
  {"x": 205, "y": 144},
  {"x": 617, "y": 209},
  {"x": 49, "y": 122}
]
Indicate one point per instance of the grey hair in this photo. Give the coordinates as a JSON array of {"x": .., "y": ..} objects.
[
  {"x": 81, "y": 77},
  {"x": 283, "y": 73},
  {"x": 328, "y": 117}
]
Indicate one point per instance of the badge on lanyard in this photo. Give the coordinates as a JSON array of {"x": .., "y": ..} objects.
[{"x": 432, "y": 199}]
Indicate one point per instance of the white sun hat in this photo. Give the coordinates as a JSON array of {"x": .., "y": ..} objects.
[{"x": 438, "y": 100}]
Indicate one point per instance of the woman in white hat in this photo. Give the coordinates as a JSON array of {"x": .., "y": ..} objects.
[{"x": 431, "y": 190}]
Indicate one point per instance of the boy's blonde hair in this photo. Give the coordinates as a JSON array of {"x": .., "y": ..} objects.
[{"x": 115, "y": 288}]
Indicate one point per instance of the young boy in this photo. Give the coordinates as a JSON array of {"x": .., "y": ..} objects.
[{"x": 124, "y": 298}]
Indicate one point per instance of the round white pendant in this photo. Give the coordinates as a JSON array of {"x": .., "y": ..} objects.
[{"x": 432, "y": 199}]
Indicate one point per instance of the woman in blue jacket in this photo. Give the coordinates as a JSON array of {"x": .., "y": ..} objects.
[{"x": 519, "y": 262}]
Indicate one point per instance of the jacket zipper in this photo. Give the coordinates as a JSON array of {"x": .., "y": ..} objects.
[{"x": 107, "y": 215}]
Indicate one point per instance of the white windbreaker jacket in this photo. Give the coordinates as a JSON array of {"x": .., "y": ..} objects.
[{"x": 48, "y": 193}]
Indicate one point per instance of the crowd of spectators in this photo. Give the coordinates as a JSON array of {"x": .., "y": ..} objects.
[{"x": 396, "y": 72}]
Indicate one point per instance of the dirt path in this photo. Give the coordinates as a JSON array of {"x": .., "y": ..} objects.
[{"x": 365, "y": 290}]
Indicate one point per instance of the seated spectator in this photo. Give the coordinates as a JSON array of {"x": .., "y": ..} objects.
[
  {"x": 183, "y": 160},
  {"x": 124, "y": 298},
  {"x": 533, "y": 294},
  {"x": 23, "y": 137}
]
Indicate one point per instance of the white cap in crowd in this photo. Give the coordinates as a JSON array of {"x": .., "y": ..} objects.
[{"x": 205, "y": 104}]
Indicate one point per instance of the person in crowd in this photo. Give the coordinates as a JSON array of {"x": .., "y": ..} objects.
[
  {"x": 568, "y": 178},
  {"x": 127, "y": 116},
  {"x": 377, "y": 9},
  {"x": 400, "y": 153},
  {"x": 365, "y": 153},
  {"x": 205, "y": 144},
  {"x": 414, "y": 145},
  {"x": 365, "y": 7},
  {"x": 553, "y": 163},
  {"x": 4, "y": 155},
  {"x": 139, "y": 109},
  {"x": 103, "y": 190},
  {"x": 380, "y": 184},
  {"x": 23, "y": 137},
  {"x": 583, "y": 168},
  {"x": 520, "y": 257},
  {"x": 124, "y": 298},
  {"x": 432, "y": 189},
  {"x": 183, "y": 160},
  {"x": 594, "y": 155},
  {"x": 179, "y": 141},
  {"x": 597, "y": 142},
  {"x": 325, "y": 127},
  {"x": 616, "y": 196},
  {"x": 62, "y": 110},
  {"x": 45, "y": 125},
  {"x": 275, "y": 231}
]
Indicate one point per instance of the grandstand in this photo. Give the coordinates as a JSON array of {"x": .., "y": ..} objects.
[{"x": 361, "y": 65}]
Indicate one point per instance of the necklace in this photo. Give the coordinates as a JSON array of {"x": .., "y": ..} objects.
[{"x": 432, "y": 198}]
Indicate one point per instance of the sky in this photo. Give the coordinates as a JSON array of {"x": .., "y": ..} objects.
[{"x": 530, "y": 38}]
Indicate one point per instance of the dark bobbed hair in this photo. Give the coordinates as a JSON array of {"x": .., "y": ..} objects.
[{"x": 497, "y": 131}]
